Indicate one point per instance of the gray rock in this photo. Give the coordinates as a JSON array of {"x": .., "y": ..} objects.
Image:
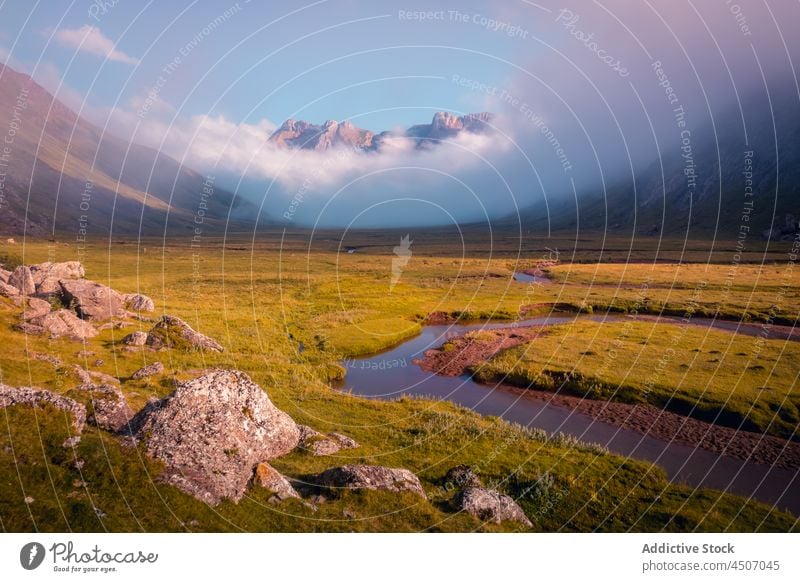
[
  {"x": 35, "y": 397},
  {"x": 36, "y": 308},
  {"x": 370, "y": 477},
  {"x": 139, "y": 302},
  {"x": 147, "y": 371},
  {"x": 47, "y": 275},
  {"x": 22, "y": 279},
  {"x": 92, "y": 377},
  {"x": 344, "y": 442},
  {"x": 107, "y": 407},
  {"x": 61, "y": 323},
  {"x": 7, "y": 290},
  {"x": 490, "y": 505},
  {"x": 173, "y": 332},
  {"x": 322, "y": 445},
  {"x": 137, "y": 338},
  {"x": 91, "y": 300},
  {"x": 268, "y": 478},
  {"x": 212, "y": 432},
  {"x": 462, "y": 476}
]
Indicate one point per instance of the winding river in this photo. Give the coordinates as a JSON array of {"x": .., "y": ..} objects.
[{"x": 392, "y": 373}]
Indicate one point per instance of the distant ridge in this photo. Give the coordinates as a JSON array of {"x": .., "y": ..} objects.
[{"x": 298, "y": 134}]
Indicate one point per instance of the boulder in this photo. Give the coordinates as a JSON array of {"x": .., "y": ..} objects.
[
  {"x": 61, "y": 323},
  {"x": 322, "y": 445},
  {"x": 269, "y": 478},
  {"x": 147, "y": 371},
  {"x": 4, "y": 275},
  {"x": 490, "y": 505},
  {"x": 36, "y": 308},
  {"x": 173, "y": 332},
  {"x": 137, "y": 338},
  {"x": 22, "y": 279},
  {"x": 91, "y": 300},
  {"x": 212, "y": 431},
  {"x": 7, "y": 290},
  {"x": 462, "y": 476},
  {"x": 90, "y": 376},
  {"x": 35, "y": 397},
  {"x": 370, "y": 477},
  {"x": 107, "y": 407},
  {"x": 139, "y": 302},
  {"x": 46, "y": 276}
]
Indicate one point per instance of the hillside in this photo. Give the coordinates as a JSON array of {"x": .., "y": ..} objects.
[{"x": 63, "y": 174}]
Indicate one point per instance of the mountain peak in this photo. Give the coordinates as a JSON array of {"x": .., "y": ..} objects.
[{"x": 445, "y": 125}]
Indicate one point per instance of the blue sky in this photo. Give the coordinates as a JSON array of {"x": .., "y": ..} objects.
[{"x": 244, "y": 68}]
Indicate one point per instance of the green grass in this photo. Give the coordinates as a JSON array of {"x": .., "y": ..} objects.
[
  {"x": 730, "y": 379},
  {"x": 262, "y": 304}
]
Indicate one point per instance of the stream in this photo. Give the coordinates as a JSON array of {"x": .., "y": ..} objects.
[{"x": 392, "y": 373}]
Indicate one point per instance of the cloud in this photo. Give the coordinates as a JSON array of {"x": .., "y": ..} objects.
[{"x": 91, "y": 40}]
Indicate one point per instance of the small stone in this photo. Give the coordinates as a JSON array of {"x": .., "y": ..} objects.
[{"x": 29, "y": 499}]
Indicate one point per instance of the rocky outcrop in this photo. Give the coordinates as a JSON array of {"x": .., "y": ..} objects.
[
  {"x": 462, "y": 476},
  {"x": 490, "y": 505},
  {"x": 137, "y": 338},
  {"x": 269, "y": 478},
  {"x": 46, "y": 276},
  {"x": 138, "y": 302},
  {"x": 106, "y": 405},
  {"x": 22, "y": 279},
  {"x": 298, "y": 134},
  {"x": 173, "y": 332},
  {"x": 148, "y": 370},
  {"x": 91, "y": 300},
  {"x": 321, "y": 445},
  {"x": 92, "y": 377},
  {"x": 61, "y": 323},
  {"x": 36, "y": 397},
  {"x": 370, "y": 477},
  {"x": 36, "y": 308},
  {"x": 7, "y": 290},
  {"x": 212, "y": 431}
]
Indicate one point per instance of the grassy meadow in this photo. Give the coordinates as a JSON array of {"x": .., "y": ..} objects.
[{"x": 287, "y": 311}]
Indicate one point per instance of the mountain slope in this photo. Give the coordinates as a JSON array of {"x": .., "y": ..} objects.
[
  {"x": 728, "y": 163},
  {"x": 63, "y": 174}
]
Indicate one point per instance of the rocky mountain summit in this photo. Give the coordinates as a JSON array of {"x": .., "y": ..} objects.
[{"x": 302, "y": 135}]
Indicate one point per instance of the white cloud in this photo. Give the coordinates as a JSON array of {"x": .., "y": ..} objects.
[{"x": 91, "y": 40}]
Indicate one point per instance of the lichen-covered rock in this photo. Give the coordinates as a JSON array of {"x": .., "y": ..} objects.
[
  {"x": 4, "y": 275},
  {"x": 106, "y": 405},
  {"x": 22, "y": 279},
  {"x": 36, "y": 308},
  {"x": 61, "y": 323},
  {"x": 7, "y": 290},
  {"x": 47, "y": 275},
  {"x": 92, "y": 376},
  {"x": 323, "y": 445},
  {"x": 490, "y": 505},
  {"x": 370, "y": 477},
  {"x": 212, "y": 431},
  {"x": 91, "y": 300},
  {"x": 268, "y": 478},
  {"x": 34, "y": 397},
  {"x": 139, "y": 302},
  {"x": 462, "y": 476},
  {"x": 137, "y": 338},
  {"x": 148, "y": 370},
  {"x": 173, "y": 332}
]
